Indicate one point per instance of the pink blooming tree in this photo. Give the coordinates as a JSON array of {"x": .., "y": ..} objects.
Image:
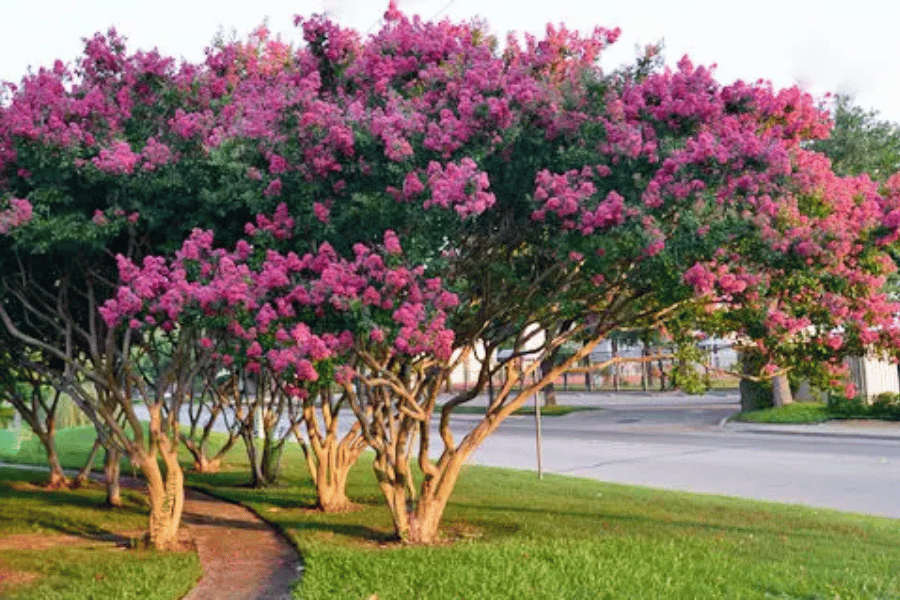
[
  {"x": 547, "y": 195},
  {"x": 304, "y": 326}
]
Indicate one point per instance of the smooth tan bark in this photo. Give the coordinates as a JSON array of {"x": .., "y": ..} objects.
[
  {"x": 203, "y": 461},
  {"x": 165, "y": 487},
  {"x": 330, "y": 475},
  {"x": 781, "y": 391},
  {"x": 57, "y": 478},
  {"x": 328, "y": 456},
  {"x": 111, "y": 471},
  {"x": 202, "y": 464}
]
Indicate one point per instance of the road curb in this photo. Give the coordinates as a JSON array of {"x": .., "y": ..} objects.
[{"x": 806, "y": 430}]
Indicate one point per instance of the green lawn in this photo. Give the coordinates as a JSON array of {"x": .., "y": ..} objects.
[
  {"x": 818, "y": 412},
  {"x": 95, "y": 566},
  {"x": 509, "y": 535},
  {"x": 799, "y": 412}
]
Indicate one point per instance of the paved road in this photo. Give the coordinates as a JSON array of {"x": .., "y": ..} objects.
[{"x": 678, "y": 442}]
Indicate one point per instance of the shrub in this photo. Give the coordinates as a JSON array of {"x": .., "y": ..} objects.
[
  {"x": 848, "y": 407},
  {"x": 886, "y": 406}
]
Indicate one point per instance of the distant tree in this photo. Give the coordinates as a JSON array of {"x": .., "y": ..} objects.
[{"x": 860, "y": 142}]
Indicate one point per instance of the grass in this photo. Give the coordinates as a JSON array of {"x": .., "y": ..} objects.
[
  {"x": 509, "y": 535},
  {"x": 818, "y": 412},
  {"x": 92, "y": 568},
  {"x": 798, "y": 412}
]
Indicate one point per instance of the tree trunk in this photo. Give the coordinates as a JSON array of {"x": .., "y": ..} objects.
[
  {"x": 781, "y": 391},
  {"x": 587, "y": 373},
  {"x": 270, "y": 462},
  {"x": 417, "y": 521},
  {"x": 57, "y": 478},
  {"x": 331, "y": 469},
  {"x": 614, "y": 346},
  {"x": 111, "y": 471},
  {"x": 165, "y": 486},
  {"x": 85, "y": 472},
  {"x": 166, "y": 492},
  {"x": 550, "y": 388},
  {"x": 257, "y": 479},
  {"x": 662, "y": 376},
  {"x": 425, "y": 519},
  {"x": 202, "y": 464},
  {"x": 755, "y": 395}
]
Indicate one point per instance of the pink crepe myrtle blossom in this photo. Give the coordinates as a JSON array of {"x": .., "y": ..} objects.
[
  {"x": 264, "y": 299},
  {"x": 19, "y": 213}
]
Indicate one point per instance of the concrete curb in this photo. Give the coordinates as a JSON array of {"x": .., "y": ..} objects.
[{"x": 827, "y": 429}]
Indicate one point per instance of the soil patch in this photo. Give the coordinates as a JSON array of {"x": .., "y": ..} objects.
[{"x": 10, "y": 579}]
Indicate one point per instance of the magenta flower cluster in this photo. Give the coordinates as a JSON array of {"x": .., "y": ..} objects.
[{"x": 290, "y": 312}]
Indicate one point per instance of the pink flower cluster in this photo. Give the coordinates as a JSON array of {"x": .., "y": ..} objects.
[
  {"x": 290, "y": 312},
  {"x": 18, "y": 213},
  {"x": 461, "y": 187},
  {"x": 571, "y": 197},
  {"x": 117, "y": 160}
]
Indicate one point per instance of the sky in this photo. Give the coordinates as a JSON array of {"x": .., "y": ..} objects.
[{"x": 822, "y": 46}]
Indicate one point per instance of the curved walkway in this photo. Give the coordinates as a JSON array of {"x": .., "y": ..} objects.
[{"x": 243, "y": 557}]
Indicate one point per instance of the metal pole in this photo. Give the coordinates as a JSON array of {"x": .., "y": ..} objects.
[{"x": 537, "y": 431}]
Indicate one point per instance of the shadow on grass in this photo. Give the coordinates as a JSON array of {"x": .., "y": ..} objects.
[
  {"x": 353, "y": 532},
  {"x": 64, "y": 498}
]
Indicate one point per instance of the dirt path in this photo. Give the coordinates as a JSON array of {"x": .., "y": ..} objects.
[{"x": 243, "y": 558}]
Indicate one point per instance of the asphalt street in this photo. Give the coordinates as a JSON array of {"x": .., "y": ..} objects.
[{"x": 682, "y": 443}]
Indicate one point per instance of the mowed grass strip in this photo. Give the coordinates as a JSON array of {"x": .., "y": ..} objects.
[
  {"x": 509, "y": 535},
  {"x": 66, "y": 545},
  {"x": 798, "y": 412}
]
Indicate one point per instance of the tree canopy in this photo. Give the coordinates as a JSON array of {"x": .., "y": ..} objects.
[
  {"x": 421, "y": 196},
  {"x": 860, "y": 142}
]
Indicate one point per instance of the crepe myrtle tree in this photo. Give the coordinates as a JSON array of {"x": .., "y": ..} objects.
[
  {"x": 590, "y": 204},
  {"x": 37, "y": 403},
  {"x": 309, "y": 323},
  {"x": 548, "y": 196}
]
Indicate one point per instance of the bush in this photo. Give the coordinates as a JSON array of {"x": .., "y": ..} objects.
[
  {"x": 886, "y": 406},
  {"x": 848, "y": 407}
]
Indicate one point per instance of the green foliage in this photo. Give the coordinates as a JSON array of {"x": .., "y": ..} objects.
[
  {"x": 886, "y": 406},
  {"x": 843, "y": 407},
  {"x": 7, "y": 414},
  {"x": 685, "y": 375},
  {"x": 860, "y": 142}
]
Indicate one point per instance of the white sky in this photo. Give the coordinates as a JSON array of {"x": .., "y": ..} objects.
[{"x": 823, "y": 45}]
